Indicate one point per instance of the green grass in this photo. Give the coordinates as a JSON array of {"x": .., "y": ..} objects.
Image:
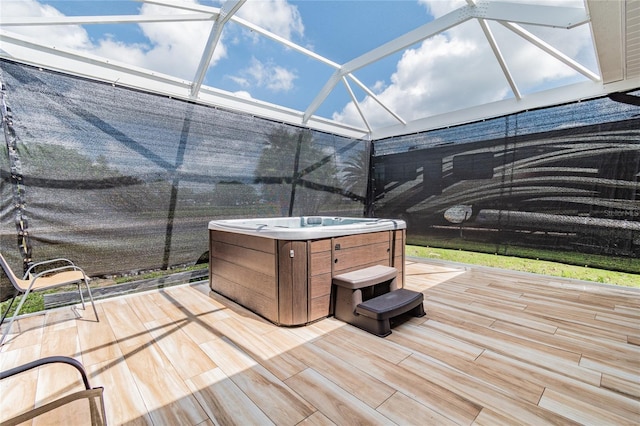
[
  {"x": 34, "y": 303},
  {"x": 598, "y": 261},
  {"x": 545, "y": 267}
]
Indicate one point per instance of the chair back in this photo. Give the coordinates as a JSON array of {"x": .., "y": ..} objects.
[{"x": 9, "y": 273}]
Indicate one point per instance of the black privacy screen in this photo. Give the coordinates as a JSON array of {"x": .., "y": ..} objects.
[
  {"x": 121, "y": 180},
  {"x": 562, "y": 179}
]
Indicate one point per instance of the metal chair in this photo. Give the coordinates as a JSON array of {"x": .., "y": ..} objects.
[
  {"x": 34, "y": 281},
  {"x": 81, "y": 407}
]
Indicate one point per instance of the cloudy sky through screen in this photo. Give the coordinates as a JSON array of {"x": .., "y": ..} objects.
[{"x": 450, "y": 71}]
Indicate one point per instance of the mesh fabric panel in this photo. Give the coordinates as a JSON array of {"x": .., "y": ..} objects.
[
  {"x": 121, "y": 180},
  {"x": 563, "y": 179}
]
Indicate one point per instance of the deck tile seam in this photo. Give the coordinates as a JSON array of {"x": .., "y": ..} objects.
[
  {"x": 237, "y": 390},
  {"x": 382, "y": 368},
  {"x": 139, "y": 390},
  {"x": 496, "y": 314},
  {"x": 536, "y": 374},
  {"x": 562, "y": 383},
  {"x": 580, "y": 411},
  {"x": 316, "y": 358},
  {"x": 421, "y": 404},
  {"x": 362, "y": 408},
  {"x": 608, "y": 381},
  {"x": 631, "y": 374},
  {"x": 484, "y": 375},
  {"x": 561, "y": 300},
  {"x": 623, "y": 309},
  {"x": 593, "y": 329},
  {"x": 339, "y": 385},
  {"x": 510, "y": 350},
  {"x": 493, "y": 397},
  {"x": 167, "y": 369},
  {"x": 252, "y": 372},
  {"x": 612, "y": 319},
  {"x": 578, "y": 308},
  {"x": 387, "y": 345},
  {"x": 561, "y": 341},
  {"x": 627, "y": 406},
  {"x": 418, "y": 343},
  {"x": 122, "y": 358}
]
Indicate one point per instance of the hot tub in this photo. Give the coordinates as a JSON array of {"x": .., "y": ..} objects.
[{"x": 281, "y": 268}]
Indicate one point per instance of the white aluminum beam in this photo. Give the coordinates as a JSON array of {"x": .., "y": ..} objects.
[
  {"x": 355, "y": 102},
  {"x": 183, "y": 5},
  {"x": 534, "y": 14},
  {"x": 25, "y": 50},
  {"x": 285, "y": 42},
  {"x": 194, "y": 7},
  {"x": 375, "y": 98},
  {"x": 30, "y": 21},
  {"x": 423, "y": 32},
  {"x": 565, "y": 17},
  {"x": 498, "y": 54},
  {"x": 509, "y": 14},
  {"x": 571, "y": 93},
  {"x": 551, "y": 50},
  {"x": 212, "y": 42},
  {"x": 322, "y": 95}
]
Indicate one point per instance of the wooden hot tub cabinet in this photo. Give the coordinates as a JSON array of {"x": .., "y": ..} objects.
[{"x": 288, "y": 282}]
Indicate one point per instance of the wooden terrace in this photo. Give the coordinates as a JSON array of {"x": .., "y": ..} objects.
[{"x": 496, "y": 347}]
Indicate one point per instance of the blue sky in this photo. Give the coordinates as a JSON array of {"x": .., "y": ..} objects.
[{"x": 450, "y": 71}]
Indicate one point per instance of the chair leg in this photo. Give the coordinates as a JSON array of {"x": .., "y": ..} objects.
[
  {"x": 4, "y": 316},
  {"x": 81, "y": 296},
  {"x": 95, "y": 311},
  {"x": 13, "y": 318}
]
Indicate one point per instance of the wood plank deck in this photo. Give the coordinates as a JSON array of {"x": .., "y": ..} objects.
[{"x": 496, "y": 347}]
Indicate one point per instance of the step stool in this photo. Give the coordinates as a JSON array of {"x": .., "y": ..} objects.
[{"x": 369, "y": 298}]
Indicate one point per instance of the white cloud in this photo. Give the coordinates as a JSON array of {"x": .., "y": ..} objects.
[
  {"x": 441, "y": 7},
  {"x": 259, "y": 74},
  {"x": 243, "y": 94},
  {"x": 68, "y": 36},
  {"x": 379, "y": 86},
  {"x": 240, "y": 81},
  {"x": 457, "y": 69},
  {"x": 171, "y": 48},
  {"x": 176, "y": 48},
  {"x": 277, "y": 16},
  {"x": 281, "y": 79}
]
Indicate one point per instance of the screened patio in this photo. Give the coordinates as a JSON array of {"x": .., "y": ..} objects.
[{"x": 122, "y": 168}]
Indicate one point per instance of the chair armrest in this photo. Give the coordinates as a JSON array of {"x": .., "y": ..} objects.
[
  {"x": 59, "y": 269},
  {"x": 32, "y": 280},
  {"x": 46, "y": 262},
  {"x": 48, "y": 360}
]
